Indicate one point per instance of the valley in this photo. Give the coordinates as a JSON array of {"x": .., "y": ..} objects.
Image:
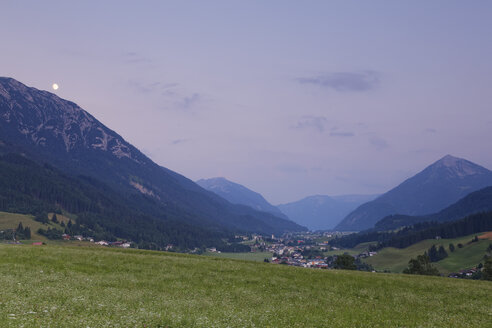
[{"x": 223, "y": 164}]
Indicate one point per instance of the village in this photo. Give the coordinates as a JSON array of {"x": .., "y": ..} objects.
[
  {"x": 308, "y": 250},
  {"x": 119, "y": 243}
]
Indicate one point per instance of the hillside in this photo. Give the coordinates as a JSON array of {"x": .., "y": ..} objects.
[
  {"x": 478, "y": 201},
  {"x": 47, "y": 129},
  {"x": 322, "y": 212},
  {"x": 406, "y": 236},
  {"x": 396, "y": 259},
  {"x": 239, "y": 194},
  {"x": 97, "y": 287},
  {"x": 12, "y": 220},
  {"x": 26, "y": 187},
  {"x": 433, "y": 189}
]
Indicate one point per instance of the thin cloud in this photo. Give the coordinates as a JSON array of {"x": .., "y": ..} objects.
[
  {"x": 190, "y": 101},
  {"x": 378, "y": 143},
  {"x": 179, "y": 141},
  {"x": 344, "y": 81},
  {"x": 132, "y": 57},
  {"x": 311, "y": 122},
  {"x": 430, "y": 130},
  {"x": 290, "y": 168},
  {"x": 161, "y": 88},
  {"x": 341, "y": 134}
]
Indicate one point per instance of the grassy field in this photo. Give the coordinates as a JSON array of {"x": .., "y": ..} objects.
[
  {"x": 395, "y": 259},
  {"x": 257, "y": 256},
  {"x": 53, "y": 286},
  {"x": 11, "y": 221}
]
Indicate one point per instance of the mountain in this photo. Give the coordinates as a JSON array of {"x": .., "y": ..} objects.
[
  {"x": 238, "y": 194},
  {"x": 29, "y": 188},
  {"x": 47, "y": 129},
  {"x": 475, "y": 202},
  {"x": 436, "y": 187},
  {"x": 323, "y": 212}
]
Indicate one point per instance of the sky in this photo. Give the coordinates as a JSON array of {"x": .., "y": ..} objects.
[{"x": 289, "y": 98}]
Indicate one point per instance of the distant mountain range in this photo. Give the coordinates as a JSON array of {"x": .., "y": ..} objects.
[
  {"x": 47, "y": 129},
  {"x": 323, "y": 212},
  {"x": 436, "y": 187},
  {"x": 477, "y": 201},
  {"x": 239, "y": 194}
]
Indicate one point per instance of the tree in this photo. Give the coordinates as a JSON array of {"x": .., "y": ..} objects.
[
  {"x": 345, "y": 262},
  {"x": 442, "y": 253},
  {"x": 436, "y": 254},
  {"x": 54, "y": 219},
  {"x": 451, "y": 247},
  {"x": 43, "y": 218},
  {"x": 27, "y": 233},
  {"x": 487, "y": 269},
  {"x": 433, "y": 254},
  {"x": 421, "y": 265}
]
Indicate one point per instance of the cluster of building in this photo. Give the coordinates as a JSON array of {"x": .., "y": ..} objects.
[
  {"x": 306, "y": 250},
  {"x": 119, "y": 243},
  {"x": 467, "y": 273}
]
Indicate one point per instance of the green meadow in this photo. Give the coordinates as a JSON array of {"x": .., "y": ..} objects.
[
  {"x": 251, "y": 256},
  {"x": 396, "y": 259},
  {"x": 12, "y": 220},
  {"x": 76, "y": 286}
]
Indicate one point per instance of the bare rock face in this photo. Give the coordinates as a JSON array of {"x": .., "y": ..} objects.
[{"x": 49, "y": 121}]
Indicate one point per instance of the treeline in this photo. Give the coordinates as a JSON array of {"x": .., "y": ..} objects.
[
  {"x": 427, "y": 230},
  {"x": 29, "y": 188},
  {"x": 20, "y": 233}
]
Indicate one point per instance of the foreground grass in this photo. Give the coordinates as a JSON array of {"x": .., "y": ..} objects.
[
  {"x": 54, "y": 286},
  {"x": 256, "y": 256}
]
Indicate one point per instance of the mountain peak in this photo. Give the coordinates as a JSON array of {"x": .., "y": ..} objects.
[
  {"x": 239, "y": 194},
  {"x": 436, "y": 187},
  {"x": 450, "y": 161},
  {"x": 458, "y": 166}
]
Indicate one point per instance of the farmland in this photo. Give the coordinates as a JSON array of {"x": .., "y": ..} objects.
[{"x": 65, "y": 286}]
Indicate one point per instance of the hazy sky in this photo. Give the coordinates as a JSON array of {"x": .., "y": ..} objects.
[{"x": 290, "y": 98}]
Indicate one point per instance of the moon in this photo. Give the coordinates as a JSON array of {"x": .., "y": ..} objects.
[{"x": 55, "y": 86}]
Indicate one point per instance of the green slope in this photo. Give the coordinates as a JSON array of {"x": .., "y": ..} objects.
[
  {"x": 53, "y": 286},
  {"x": 396, "y": 259},
  {"x": 11, "y": 221}
]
